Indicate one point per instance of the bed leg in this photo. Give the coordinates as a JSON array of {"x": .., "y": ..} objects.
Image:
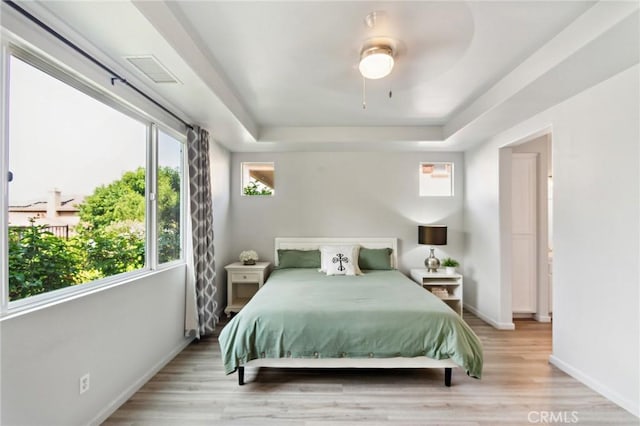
[
  {"x": 240, "y": 376},
  {"x": 447, "y": 377}
]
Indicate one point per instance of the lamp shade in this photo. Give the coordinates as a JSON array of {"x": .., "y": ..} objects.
[
  {"x": 435, "y": 235},
  {"x": 376, "y": 62}
]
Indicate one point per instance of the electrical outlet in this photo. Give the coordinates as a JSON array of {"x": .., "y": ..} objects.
[{"x": 84, "y": 383}]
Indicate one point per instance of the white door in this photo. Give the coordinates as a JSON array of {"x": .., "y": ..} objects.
[{"x": 524, "y": 232}]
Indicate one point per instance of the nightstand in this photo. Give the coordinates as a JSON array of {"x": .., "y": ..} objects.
[
  {"x": 243, "y": 281},
  {"x": 447, "y": 287}
]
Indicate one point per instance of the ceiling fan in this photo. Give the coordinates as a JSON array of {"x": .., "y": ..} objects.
[{"x": 377, "y": 56}]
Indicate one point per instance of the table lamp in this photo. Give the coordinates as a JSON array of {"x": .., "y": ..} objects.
[{"x": 433, "y": 235}]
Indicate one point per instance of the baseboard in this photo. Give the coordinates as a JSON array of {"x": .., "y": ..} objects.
[
  {"x": 131, "y": 390},
  {"x": 489, "y": 320},
  {"x": 611, "y": 395},
  {"x": 542, "y": 318},
  {"x": 521, "y": 315}
]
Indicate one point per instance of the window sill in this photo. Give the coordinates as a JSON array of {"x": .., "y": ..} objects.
[{"x": 26, "y": 306}]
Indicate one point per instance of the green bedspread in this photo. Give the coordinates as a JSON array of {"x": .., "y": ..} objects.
[{"x": 302, "y": 313}]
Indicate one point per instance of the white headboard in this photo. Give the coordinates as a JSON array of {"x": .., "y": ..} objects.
[{"x": 312, "y": 243}]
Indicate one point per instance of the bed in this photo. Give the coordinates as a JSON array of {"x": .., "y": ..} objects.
[{"x": 302, "y": 318}]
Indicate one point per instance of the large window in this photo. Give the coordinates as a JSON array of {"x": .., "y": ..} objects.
[{"x": 81, "y": 176}]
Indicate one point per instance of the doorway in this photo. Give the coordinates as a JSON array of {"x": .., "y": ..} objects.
[{"x": 529, "y": 227}]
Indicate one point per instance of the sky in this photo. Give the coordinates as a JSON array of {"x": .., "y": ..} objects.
[{"x": 61, "y": 138}]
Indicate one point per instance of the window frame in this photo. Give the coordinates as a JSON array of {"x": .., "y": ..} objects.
[
  {"x": 183, "y": 198},
  {"x": 11, "y": 48}
]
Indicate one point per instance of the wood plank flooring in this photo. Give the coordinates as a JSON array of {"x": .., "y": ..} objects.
[{"x": 519, "y": 386}]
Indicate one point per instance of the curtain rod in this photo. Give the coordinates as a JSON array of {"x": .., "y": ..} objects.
[{"x": 114, "y": 75}]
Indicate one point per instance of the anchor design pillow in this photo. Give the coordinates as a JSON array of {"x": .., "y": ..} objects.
[{"x": 340, "y": 260}]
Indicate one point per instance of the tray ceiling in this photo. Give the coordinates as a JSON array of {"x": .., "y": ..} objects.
[{"x": 284, "y": 75}]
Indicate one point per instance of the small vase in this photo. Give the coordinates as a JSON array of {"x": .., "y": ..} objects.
[
  {"x": 450, "y": 270},
  {"x": 249, "y": 262}
]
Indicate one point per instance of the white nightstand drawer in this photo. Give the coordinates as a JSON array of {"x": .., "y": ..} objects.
[
  {"x": 243, "y": 281},
  {"x": 245, "y": 277}
]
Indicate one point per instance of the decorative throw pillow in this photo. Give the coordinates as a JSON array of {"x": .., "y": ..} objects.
[
  {"x": 341, "y": 264},
  {"x": 289, "y": 258},
  {"x": 375, "y": 258},
  {"x": 327, "y": 253}
]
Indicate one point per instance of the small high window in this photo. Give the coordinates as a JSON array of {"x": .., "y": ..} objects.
[
  {"x": 258, "y": 179},
  {"x": 436, "y": 179}
]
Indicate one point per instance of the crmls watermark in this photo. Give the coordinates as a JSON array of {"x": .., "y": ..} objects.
[{"x": 553, "y": 417}]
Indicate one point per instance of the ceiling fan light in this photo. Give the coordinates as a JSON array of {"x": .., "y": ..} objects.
[{"x": 376, "y": 62}]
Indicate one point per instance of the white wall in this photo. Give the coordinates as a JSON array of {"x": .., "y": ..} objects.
[
  {"x": 481, "y": 263},
  {"x": 596, "y": 237},
  {"x": 220, "y": 162},
  {"x": 596, "y": 209},
  {"x": 331, "y": 194},
  {"x": 121, "y": 336}
]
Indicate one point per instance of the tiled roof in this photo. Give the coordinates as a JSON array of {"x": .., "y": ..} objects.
[{"x": 67, "y": 204}]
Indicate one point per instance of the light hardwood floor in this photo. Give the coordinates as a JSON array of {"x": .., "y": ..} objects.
[{"x": 518, "y": 387}]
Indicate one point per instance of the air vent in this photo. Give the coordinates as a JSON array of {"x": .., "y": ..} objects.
[{"x": 152, "y": 68}]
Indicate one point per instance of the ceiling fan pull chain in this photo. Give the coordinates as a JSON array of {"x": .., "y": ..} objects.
[{"x": 364, "y": 93}]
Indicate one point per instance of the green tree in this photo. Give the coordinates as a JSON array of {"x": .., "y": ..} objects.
[
  {"x": 121, "y": 200},
  {"x": 112, "y": 222},
  {"x": 40, "y": 262},
  {"x": 112, "y": 249},
  {"x": 256, "y": 188},
  {"x": 111, "y": 229},
  {"x": 110, "y": 238},
  {"x": 168, "y": 214}
]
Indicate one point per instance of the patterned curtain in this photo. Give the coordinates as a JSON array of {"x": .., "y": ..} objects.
[{"x": 200, "y": 317}]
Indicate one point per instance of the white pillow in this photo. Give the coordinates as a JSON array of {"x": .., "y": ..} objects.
[
  {"x": 339, "y": 260},
  {"x": 325, "y": 257}
]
